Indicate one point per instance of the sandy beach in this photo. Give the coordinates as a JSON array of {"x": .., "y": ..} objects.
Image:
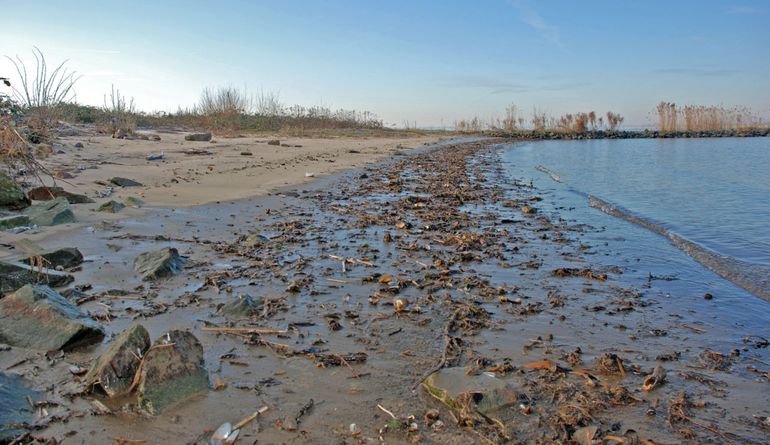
[{"x": 376, "y": 300}]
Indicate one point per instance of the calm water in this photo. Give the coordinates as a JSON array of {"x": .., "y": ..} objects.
[{"x": 713, "y": 193}]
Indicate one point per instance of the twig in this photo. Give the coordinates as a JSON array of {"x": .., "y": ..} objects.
[
  {"x": 138, "y": 374},
  {"x": 447, "y": 344},
  {"x": 345, "y": 362}
]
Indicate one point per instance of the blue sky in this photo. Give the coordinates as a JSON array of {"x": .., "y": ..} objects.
[{"x": 429, "y": 62}]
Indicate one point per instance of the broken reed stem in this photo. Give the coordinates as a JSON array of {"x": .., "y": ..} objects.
[
  {"x": 250, "y": 418},
  {"x": 444, "y": 353},
  {"x": 345, "y": 362},
  {"x": 245, "y": 330},
  {"x": 138, "y": 374},
  {"x": 382, "y": 408}
]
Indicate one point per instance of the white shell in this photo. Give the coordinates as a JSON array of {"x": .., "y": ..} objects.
[{"x": 222, "y": 434}]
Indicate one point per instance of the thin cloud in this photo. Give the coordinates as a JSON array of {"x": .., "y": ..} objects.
[
  {"x": 698, "y": 72},
  {"x": 494, "y": 85},
  {"x": 533, "y": 19},
  {"x": 743, "y": 9}
]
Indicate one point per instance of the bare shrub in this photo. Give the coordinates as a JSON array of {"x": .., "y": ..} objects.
[
  {"x": 223, "y": 108},
  {"x": 42, "y": 92},
  {"x": 121, "y": 112}
]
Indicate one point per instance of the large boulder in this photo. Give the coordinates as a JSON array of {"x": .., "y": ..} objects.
[
  {"x": 66, "y": 258},
  {"x": 50, "y": 213},
  {"x": 15, "y": 276},
  {"x": 12, "y": 197},
  {"x": 158, "y": 264},
  {"x": 173, "y": 370},
  {"x": 114, "y": 371},
  {"x": 37, "y": 317},
  {"x": 200, "y": 137},
  {"x": 49, "y": 193}
]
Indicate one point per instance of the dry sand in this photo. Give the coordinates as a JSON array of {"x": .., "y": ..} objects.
[{"x": 182, "y": 179}]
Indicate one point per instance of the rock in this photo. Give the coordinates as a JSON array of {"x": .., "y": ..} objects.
[
  {"x": 113, "y": 373},
  {"x": 49, "y": 193},
  {"x": 171, "y": 374},
  {"x": 14, "y": 407},
  {"x": 200, "y": 137},
  {"x": 78, "y": 145},
  {"x": 12, "y": 197},
  {"x": 246, "y": 153},
  {"x": 15, "y": 276},
  {"x": 9, "y": 222},
  {"x": 134, "y": 202},
  {"x": 159, "y": 264},
  {"x": 274, "y": 142},
  {"x": 37, "y": 317},
  {"x": 527, "y": 210},
  {"x": 50, "y": 213},
  {"x": 124, "y": 182},
  {"x": 254, "y": 240},
  {"x": 154, "y": 137},
  {"x": 484, "y": 393},
  {"x": 66, "y": 258},
  {"x": 242, "y": 306},
  {"x": 111, "y": 206}
]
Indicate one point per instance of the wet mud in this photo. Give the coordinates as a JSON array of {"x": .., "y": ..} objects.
[{"x": 368, "y": 283}]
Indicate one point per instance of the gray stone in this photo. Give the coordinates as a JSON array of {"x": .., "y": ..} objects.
[
  {"x": 241, "y": 306},
  {"x": 49, "y": 193},
  {"x": 484, "y": 393},
  {"x": 15, "y": 276},
  {"x": 111, "y": 207},
  {"x": 171, "y": 374},
  {"x": 14, "y": 407},
  {"x": 134, "y": 202},
  {"x": 37, "y": 317},
  {"x": 12, "y": 197},
  {"x": 200, "y": 137},
  {"x": 78, "y": 145},
  {"x": 66, "y": 258},
  {"x": 9, "y": 222},
  {"x": 50, "y": 213},
  {"x": 113, "y": 373},
  {"x": 158, "y": 264},
  {"x": 124, "y": 182}
]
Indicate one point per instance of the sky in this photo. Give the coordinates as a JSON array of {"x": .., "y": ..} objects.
[{"x": 429, "y": 63}]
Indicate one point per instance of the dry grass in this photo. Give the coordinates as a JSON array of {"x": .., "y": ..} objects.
[{"x": 699, "y": 118}]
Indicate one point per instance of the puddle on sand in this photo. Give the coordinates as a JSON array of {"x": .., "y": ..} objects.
[{"x": 463, "y": 260}]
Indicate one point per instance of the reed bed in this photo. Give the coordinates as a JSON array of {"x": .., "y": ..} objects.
[{"x": 701, "y": 118}]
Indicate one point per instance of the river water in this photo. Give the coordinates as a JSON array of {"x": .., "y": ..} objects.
[{"x": 693, "y": 212}]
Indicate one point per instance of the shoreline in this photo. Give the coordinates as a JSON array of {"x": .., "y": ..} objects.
[{"x": 448, "y": 254}]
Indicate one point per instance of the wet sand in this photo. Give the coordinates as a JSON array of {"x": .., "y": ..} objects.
[{"x": 486, "y": 284}]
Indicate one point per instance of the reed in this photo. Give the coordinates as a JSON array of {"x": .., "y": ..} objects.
[{"x": 702, "y": 118}]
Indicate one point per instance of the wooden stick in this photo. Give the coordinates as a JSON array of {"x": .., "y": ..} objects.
[
  {"x": 250, "y": 418},
  {"x": 246, "y": 330}
]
